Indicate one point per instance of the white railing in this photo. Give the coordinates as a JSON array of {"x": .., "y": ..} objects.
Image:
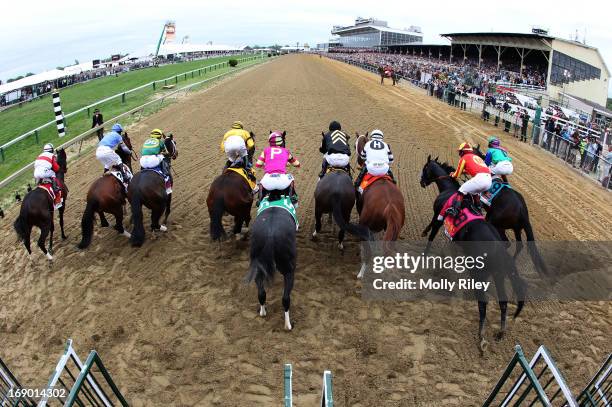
[
  {"x": 80, "y": 138},
  {"x": 122, "y": 94}
]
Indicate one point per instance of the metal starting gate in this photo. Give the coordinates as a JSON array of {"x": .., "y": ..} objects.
[
  {"x": 539, "y": 382},
  {"x": 74, "y": 382},
  {"x": 9, "y": 386},
  {"x": 327, "y": 398}
]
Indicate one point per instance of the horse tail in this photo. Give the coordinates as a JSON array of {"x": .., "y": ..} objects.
[
  {"x": 87, "y": 223},
  {"x": 394, "y": 222},
  {"x": 536, "y": 258},
  {"x": 360, "y": 231},
  {"x": 138, "y": 234},
  {"x": 21, "y": 226},
  {"x": 216, "y": 217},
  {"x": 262, "y": 264}
]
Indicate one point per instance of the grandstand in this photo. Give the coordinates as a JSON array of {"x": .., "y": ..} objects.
[
  {"x": 375, "y": 34},
  {"x": 569, "y": 67}
]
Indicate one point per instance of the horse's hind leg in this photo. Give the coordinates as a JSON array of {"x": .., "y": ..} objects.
[
  {"x": 519, "y": 242},
  {"x": 503, "y": 302},
  {"x": 318, "y": 225},
  {"x": 287, "y": 270},
  {"x": 61, "y": 220},
  {"x": 428, "y": 228},
  {"x": 261, "y": 296},
  {"x": 168, "y": 204},
  {"x": 103, "y": 221},
  {"x": 238, "y": 221},
  {"x": 26, "y": 238},
  {"x": 44, "y": 232},
  {"x": 118, "y": 214},
  {"x": 156, "y": 214}
]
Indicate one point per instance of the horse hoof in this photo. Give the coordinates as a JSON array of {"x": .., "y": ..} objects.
[
  {"x": 424, "y": 234},
  {"x": 127, "y": 234},
  {"x": 49, "y": 257},
  {"x": 262, "y": 311},
  {"x": 163, "y": 228},
  {"x": 314, "y": 236},
  {"x": 341, "y": 247},
  {"x": 499, "y": 336},
  {"x": 361, "y": 272},
  {"x": 483, "y": 345},
  {"x": 64, "y": 237},
  {"x": 288, "y": 326}
]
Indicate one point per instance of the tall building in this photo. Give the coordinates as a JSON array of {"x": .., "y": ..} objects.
[{"x": 373, "y": 33}]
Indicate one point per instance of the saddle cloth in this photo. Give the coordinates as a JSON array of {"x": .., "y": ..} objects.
[
  {"x": 284, "y": 202},
  {"x": 453, "y": 224},
  {"x": 244, "y": 175},
  {"x": 496, "y": 186},
  {"x": 369, "y": 179}
]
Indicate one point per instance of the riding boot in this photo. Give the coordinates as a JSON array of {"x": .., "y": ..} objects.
[
  {"x": 476, "y": 206},
  {"x": 359, "y": 178},
  {"x": 389, "y": 173},
  {"x": 260, "y": 195},
  {"x": 293, "y": 194},
  {"x": 505, "y": 179},
  {"x": 323, "y": 168},
  {"x": 105, "y": 170},
  {"x": 457, "y": 205}
]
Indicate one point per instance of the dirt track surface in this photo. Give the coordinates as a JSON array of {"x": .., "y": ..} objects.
[{"x": 176, "y": 324}]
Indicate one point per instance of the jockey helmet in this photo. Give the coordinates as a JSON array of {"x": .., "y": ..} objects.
[
  {"x": 237, "y": 125},
  {"x": 48, "y": 148},
  {"x": 493, "y": 141},
  {"x": 464, "y": 148},
  {"x": 276, "y": 139},
  {"x": 117, "y": 127},
  {"x": 157, "y": 133},
  {"x": 376, "y": 135},
  {"x": 333, "y": 126}
]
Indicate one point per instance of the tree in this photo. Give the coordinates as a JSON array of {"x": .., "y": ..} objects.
[
  {"x": 76, "y": 62},
  {"x": 29, "y": 74}
]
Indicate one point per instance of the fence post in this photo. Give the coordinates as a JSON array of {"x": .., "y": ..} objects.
[
  {"x": 37, "y": 138},
  {"x": 123, "y": 97},
  {"x": 59, "y": 117},
  {"x": 2, "y": 153},
  {"x": 176, "y": 79},
  {"x": 88, "y": 112},
  {"x": 153, "y": 85}
]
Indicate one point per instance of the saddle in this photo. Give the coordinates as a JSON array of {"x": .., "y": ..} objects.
[
  {"x": 282, "y": 201},
  {"x": 496, "y": 187},
  {"x": 119, "y": 177},
  {"x": 341, "y": 169},
  {"x": 453, "y": 224},
  {"x": 243, "y": 173},
  {"x": 369, "y": 179},
  {"x": 165, "y": 178},
  {"x": 56, "y": 198}
]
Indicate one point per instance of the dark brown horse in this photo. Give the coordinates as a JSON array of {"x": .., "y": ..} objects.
[
  {"x": 148, "y": 188},
  {"x": 105, "y": 195},
  {"x": 381, "y": 206},
  {"x": 37, "y": 210},
  {"x": 229, "y": 193},
  {"x": 387, "y": 73}
]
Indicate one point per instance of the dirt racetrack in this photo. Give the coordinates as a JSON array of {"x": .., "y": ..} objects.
[{"x": 176, "y": 324}]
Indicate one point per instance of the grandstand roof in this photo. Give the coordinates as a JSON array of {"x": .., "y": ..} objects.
[
  {"x": 504, "y": 39},
  {"x": 497, "y": 34}
]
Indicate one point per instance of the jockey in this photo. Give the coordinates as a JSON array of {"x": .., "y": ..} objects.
[
  {"x": 238, "y": 144},
  {"x": 498, "y": 160},
  {"x": 474, "y": 166},
  {"x": 336, "y": 150},
  {"x": 377, "y": 156},
  {"x": 153, "y": 153},
  {"x": 105, "y": 153},
  {"x": 45, "y": 167},
  {"x": 274, "y": 159}
]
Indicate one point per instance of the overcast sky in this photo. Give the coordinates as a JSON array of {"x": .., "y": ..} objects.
[{"x": 43, "y": 34}]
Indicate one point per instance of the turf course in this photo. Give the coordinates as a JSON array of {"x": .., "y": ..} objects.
[{"x": 18, "y": 120}]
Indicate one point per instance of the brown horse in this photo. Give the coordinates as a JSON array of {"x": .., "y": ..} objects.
[
  {"x": 37, "y": 210},
  {"x": 381, "y": 206},
  {"x": 229, "y": 193},
  {"x": 125, "y": 157},
  {"x": 106, "y": 194},
  {"x": 387, "y": 73}
]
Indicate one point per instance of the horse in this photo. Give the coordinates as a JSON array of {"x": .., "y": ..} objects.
[
  {"x": 105, "y": 195},
  {"x": 229, "y": 192},
  {"x": 273, "y": 247},
  {"x": 508, "y": 210},
  {"x": 335, "y": 194},
  {"x": 476, "y": 231},
  {"x": 381, "y": 206},
  {"x": 37, "y": 210},
  {"x": 387, "y": 74},
  {"x": 125, "y": 157}
]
